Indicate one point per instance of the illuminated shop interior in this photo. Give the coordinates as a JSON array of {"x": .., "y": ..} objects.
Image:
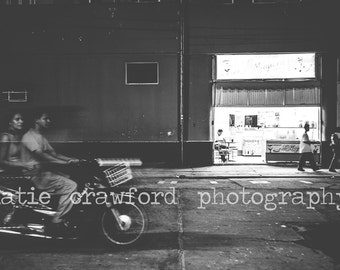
[{"x": 248, "y": 130}]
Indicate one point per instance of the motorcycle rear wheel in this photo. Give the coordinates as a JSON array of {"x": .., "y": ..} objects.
[{"x": 134, "y": 222}]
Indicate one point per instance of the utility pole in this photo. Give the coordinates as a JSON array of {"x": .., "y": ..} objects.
[{"x": 182, "y": 25}]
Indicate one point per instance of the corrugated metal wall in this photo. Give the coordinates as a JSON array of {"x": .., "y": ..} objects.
[{"x": 266, "y": 97}]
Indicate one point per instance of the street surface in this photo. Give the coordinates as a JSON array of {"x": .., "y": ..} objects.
[{"x": 194, "y": 231}]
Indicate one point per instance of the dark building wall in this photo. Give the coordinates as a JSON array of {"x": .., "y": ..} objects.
[
  {"x": 257, "y": 28},
  {"x": 120, "y": 28},
  {"x": 90, "y": 92},
  {"x": 200, "y": 99},
  {"x": 72, "y": 58}
]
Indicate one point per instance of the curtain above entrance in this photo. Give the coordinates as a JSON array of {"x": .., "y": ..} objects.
[{"x": 223, "y": 97}]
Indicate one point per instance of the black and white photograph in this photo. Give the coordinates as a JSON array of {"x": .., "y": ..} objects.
[{"x": 169, "y": 134}]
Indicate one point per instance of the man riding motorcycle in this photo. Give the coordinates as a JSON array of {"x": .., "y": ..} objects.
[{"x": 37, "y": 152}]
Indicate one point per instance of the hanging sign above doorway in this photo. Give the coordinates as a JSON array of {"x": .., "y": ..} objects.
[{"x": 265, "y": 66}]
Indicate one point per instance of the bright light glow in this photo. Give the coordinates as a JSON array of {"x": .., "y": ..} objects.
[
  {"x": 265, "y": 66},
  {"x": 274, "y": 123}
]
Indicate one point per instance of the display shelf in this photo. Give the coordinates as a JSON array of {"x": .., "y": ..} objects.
[
  {"x": 288, "y": 150},
  {"x": 288, "y": 157},
  {"x": 289, "y": 127}
]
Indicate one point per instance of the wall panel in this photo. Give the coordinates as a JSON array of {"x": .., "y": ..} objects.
[
  {"x": 90, "y": 94},
  {"x": 200, "y": 97}
]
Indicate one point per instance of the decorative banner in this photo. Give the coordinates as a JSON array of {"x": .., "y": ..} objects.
[
  {"x": 265, "y": 66},
  {"x": 280, "y": 148}
]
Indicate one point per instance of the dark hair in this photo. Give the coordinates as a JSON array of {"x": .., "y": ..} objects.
[
  {"x": 36, "y": 114},
  {"x": 7, "y": 117},
  {"x": 220, "y": 130}
]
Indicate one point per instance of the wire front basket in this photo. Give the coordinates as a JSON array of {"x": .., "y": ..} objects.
[{"x": 118, "y": 174}]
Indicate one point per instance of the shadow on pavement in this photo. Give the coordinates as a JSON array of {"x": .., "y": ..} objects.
[
  {"x": 324, "y": 237},
  {"x": 150, "y": 241}
]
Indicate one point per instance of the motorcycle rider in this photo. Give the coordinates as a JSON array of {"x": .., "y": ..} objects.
[{"x": 37, "y": 152}]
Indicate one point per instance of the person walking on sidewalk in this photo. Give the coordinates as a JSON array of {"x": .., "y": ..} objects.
[
  {"x": 306, "y": 151},
  {"x": 335, "y": 146}
]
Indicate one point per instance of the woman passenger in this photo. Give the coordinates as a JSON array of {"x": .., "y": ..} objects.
[{"x": 10, "y": 146}]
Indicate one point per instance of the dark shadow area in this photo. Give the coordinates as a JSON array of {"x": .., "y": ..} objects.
[
  {"x": 92, "y": 244},
  {"x": 324, "y": 237},
  {"x": 150, "y": 241}
]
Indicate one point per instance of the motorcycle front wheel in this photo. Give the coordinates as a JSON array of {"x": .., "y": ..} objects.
[{"x": 134, "y": 223}]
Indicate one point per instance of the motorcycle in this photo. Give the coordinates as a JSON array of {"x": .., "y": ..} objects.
[{"x": 100, "y": 206}]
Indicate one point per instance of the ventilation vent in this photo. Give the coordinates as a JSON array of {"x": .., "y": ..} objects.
[
  {"x": 15, "y": 96},
  {"x": 140, "y": 1},
  {"x": 225, "y": 2},
  {"x": 276, "y": 1},
  {"x": 213, "y": 2}
]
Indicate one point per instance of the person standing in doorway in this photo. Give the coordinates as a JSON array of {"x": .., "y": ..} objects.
[
  {"x": 306, "y": 151},
  {"x": 335, "y": 146}
]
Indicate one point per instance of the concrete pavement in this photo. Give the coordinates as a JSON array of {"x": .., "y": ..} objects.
[
  {"x": 221, "y": 236},
  {"x": 233, "y": 171}
]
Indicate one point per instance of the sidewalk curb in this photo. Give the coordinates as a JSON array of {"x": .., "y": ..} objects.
[
  {"x": 260, "y": 176},
  {"x": 239, "y": 176}
]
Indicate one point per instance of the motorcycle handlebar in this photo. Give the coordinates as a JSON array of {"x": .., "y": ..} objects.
[{"x": 109, "y": 162}]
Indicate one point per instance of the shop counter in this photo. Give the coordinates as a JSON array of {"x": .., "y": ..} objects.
[
  {"x": 277, "y": 150},
  {"x": 252, "y": 147}
]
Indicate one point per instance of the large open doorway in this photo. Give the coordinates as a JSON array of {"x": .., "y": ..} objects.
[
  {"x": 250, "y": 133},
  {"x": 260, "y": 105}
]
